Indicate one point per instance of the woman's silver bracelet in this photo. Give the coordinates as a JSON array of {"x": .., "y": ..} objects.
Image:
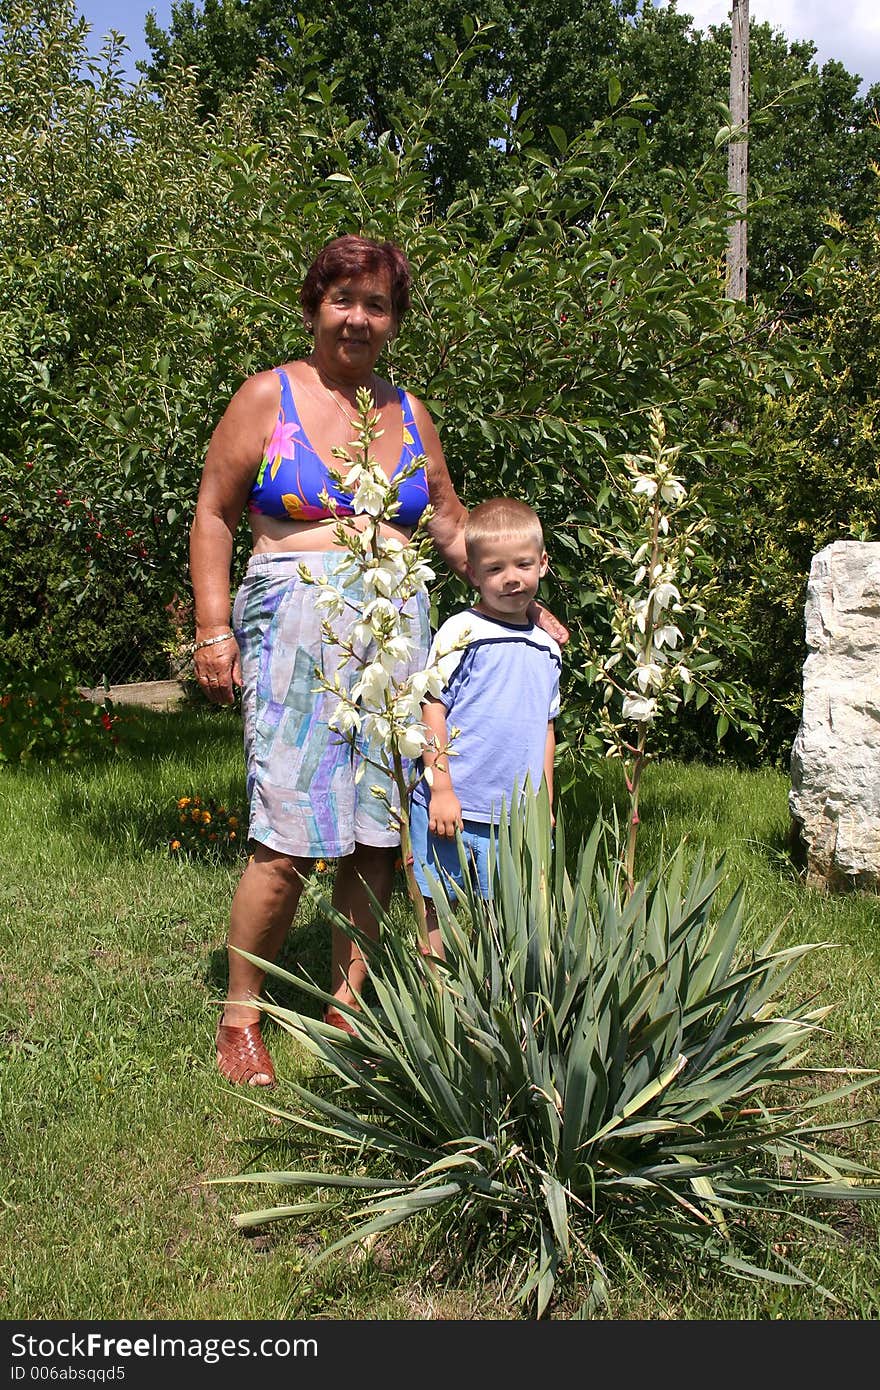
[{"x": 209, "y": 641}]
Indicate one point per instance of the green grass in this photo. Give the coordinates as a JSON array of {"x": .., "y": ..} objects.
[{"x": 113, "y": 1115}]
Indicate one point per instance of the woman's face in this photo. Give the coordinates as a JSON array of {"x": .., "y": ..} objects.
[{"x": 355, "y": 320}]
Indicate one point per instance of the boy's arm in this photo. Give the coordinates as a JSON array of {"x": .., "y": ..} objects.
[
  {"x": 549, "y": 756},
  {"x": 444, "y": 807}
]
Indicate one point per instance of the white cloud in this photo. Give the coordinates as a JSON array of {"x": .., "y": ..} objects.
[{"x": 848, "y": 30}]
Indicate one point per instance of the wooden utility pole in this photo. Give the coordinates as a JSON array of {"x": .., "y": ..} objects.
[{"x": 738, "y": 149}]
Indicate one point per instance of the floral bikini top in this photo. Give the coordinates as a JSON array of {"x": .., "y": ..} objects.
[{"x": 292, "y": 476}]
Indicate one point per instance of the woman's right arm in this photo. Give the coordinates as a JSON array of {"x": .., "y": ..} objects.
[{"x": 234, "y": 454}]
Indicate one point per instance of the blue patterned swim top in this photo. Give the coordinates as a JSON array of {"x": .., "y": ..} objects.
[{"x": 292, "y": 474}]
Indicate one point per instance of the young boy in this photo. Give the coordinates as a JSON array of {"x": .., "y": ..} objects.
[{"x": 501, "y": 694}]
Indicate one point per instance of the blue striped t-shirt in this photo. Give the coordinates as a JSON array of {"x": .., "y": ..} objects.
[{"x": 501, "y": 691}]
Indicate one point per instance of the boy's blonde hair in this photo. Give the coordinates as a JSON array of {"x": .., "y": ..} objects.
[{"x": 501, "y": 518}]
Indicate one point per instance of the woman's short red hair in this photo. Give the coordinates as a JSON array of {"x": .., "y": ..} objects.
[{"x": 357, "y": 255}]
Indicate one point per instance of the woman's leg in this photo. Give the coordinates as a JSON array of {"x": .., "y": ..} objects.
[
  {"x": 262, "y": 911},
  {"x": 371, "y": 867}
]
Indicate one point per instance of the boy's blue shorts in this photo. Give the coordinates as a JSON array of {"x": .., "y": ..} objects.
[{"x": 441, "y": 854}]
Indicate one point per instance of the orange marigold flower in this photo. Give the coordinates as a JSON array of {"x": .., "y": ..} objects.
[
  {"x": 175, "y": 844},
  {"x": 183, "y": 801},
  {"x": 233, "y": 822},
  {"x": 232, "y": 835}
]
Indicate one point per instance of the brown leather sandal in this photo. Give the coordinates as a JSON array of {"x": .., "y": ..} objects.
[
  {"x": 242, "y": 1056},
  {"x": 338, "y": 1020}
]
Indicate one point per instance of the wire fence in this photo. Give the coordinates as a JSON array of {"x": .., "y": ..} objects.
[
  {"x": 136, "y": 664},
  {"x": 155, "y": 648}
]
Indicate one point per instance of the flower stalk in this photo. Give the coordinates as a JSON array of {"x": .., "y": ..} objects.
[
  {"x": 379, "y": 711},
  {"x": 658, "y": 624}
]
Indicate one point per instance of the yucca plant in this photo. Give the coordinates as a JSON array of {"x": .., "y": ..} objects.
[{"x": 583, "y": 1048}]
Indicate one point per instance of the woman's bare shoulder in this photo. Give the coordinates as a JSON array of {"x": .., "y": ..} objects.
[
  {"x": 426, "y": 428},
  {"x": 259, "y": 390}
]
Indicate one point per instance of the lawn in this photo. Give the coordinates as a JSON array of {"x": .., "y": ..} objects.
[{"x": 113, "y": 1116}]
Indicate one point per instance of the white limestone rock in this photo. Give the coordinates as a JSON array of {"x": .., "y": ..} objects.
[{"x": 835, "y": 761}]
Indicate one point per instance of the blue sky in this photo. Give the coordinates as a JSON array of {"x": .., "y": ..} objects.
[
  {"x": 848, "y": 30},
  {"x": 127, "y": 19}
]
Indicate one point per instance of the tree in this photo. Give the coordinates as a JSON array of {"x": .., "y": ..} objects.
[
  {"x": 814, "y": 478},
  {"x": 560, "y": 63},
  {"x": 95, "y": 180}
]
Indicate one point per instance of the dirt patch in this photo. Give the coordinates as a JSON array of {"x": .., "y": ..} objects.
[{"x": 155, "y": 694}]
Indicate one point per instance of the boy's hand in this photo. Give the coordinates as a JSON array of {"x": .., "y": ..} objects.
[{"x": 444, "y": 814}]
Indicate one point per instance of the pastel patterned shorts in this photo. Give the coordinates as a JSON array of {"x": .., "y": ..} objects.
[{"x": 303, "y": 797}]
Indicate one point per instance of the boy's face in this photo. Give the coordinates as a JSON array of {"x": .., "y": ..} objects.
[{"x": 506, "y": 572}]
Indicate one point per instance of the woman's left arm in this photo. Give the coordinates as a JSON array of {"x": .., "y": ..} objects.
[{"x": 446, "y": 527}]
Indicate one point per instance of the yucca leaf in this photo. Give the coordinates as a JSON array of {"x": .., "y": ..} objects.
[
  {"x": 557, "y": 1208},
  {"x": 762, "y": 1272},
  {"x": 392, "y": 1216},
  {"x": 644, "y": 1097},
  {"x": 309, "y": 1179},
  {"x": 246, "y": 1219},
  {"x": 538, "y": 1071}
]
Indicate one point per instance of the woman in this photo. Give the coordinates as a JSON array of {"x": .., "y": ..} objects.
[{"x": 270, "y": 451}]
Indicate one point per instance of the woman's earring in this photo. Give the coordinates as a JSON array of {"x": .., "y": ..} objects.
[{"x": 308, "y": 327}]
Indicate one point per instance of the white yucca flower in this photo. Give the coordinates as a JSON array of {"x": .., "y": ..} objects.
[
  {"x": 666, "y": 594},
  {"x": 640, "y": 708},
  {"x": 412, "y": 741},
  {"x": 381, "y": 579},
  {"x": 393, "y": 650},
  {"x": 648, "y": 674},
  {"x": 643, "y": 486},
  {"x": 372, "y": 685},
  {"x": 429, "y": 682},
  {"x": 371, "y": 493},
  {"x": 419, "y": 575},
  {"x": 667, "y": 636},
  {"x": 640, "y": 613},
  {"x": 345, "y": 719},
  {"x": 329, "y": 600},
  {"x": 406, "y": 707},
  {"x": 380, "y": 610},
  {"x": 376, "y": 729},
  {"x": 673, "y": 491}
]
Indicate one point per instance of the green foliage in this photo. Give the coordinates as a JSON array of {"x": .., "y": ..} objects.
[
  {"x": 581, "y": 1051},
  {"x": 164, "y": 255},
  {"x": 43, "y": 717},
  {"x": 95, "y": 405},
  {"x": 109, "y": 628},
  {"x": 814, "y": 477},
  {"x": 562, "y": 65}
]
